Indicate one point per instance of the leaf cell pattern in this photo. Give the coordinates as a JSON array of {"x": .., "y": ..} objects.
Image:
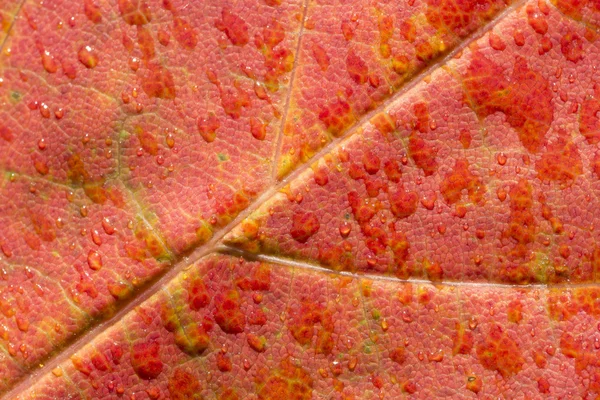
[{"x": 275, "y": 199}]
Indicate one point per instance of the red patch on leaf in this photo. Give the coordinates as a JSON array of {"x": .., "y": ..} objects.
[
  {"x": 228, "y": 314},
  {"x": 304, "y": 225},
  {"x": 145, "y": 359},
  {"x": 500, "y": 353}
]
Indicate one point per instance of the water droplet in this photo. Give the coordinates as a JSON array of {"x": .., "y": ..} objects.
[
  {"x": 59, "y": 113},
  {"x": 406, "y": 317},
  {"x": 170, "y": 139},
  {"x": 87, "y": 56},
  {"x": 134, "y": 63},
  {"x": 42, "y": 144},
  {"x": 501, "y": 157},
  {"x": 345, "y": 229},
  {"x": 472, "y": 323},
  {"x": 501, "y": 193},
  {"x": 96, "y": 237},
  {"x": 352, "y": 363},
  {"x": 45, "y": 110},
  {"x": 94, "y": 260}
]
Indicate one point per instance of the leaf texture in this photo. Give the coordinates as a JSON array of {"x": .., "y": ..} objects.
[{"x": 279, "y": 199}]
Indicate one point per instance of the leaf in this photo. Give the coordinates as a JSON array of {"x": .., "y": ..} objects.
[{"x": 292, "y": 199}]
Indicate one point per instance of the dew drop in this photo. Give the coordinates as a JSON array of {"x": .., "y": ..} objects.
[
  {"x": 472, "y": 323},
  {"x": 134, "y": 63},
  {"x": 352, "y": 363},
  {"x": 88, "y": 57},
  {"x": 94, "y": 260},
  {"x": 501, "y": 193},
  {"x": 96, "y": 237},
  {"x": 501, "y": 157},
  {"x": 406, "y": 317},
  {"x": 170, "y": 139},
  {"x": 107, "y": 226},
  {"x": 345, "y": 229},
  {"x": 45, "y": 110}
]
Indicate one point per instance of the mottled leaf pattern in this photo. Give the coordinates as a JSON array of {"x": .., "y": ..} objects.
[{"x": 297, "y": 199}]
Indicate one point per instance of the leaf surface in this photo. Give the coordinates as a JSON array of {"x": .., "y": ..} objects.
[{"x": 298, "y": 199}]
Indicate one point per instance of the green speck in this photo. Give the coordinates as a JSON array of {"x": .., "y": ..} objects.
[
  {"x": 222, "y": 157},
  {"x": 15, "y": 95}
]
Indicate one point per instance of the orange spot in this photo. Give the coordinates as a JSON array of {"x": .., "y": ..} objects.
[
  {"x": 515, "y": 311},
  {"x": 223, "y": 362},
  {"x": 183, "y": 385},
  {"x": 363, "y": 210},
  {"x": 459, "y": 179},
  {"x": 348, "y": 29},
  {"x": 320, "y": 55},
  {"x": 403, "y": 203},
  {"x": 399, "y": 246},
  {"x": 234, "y": 27},
  {"x": 571, "y": 46},
  {"x": 197, "y": 294},
  {"x": 357, "y": 68},
  {"x": 258, "y": 344},
  {"x": 500, "y": 353},
  {"x": 92, "y": 11},
  {"x": 146, "y": 43},
  {"x": 526, "y": 99},
  {"x": 234, "y": 101},
  {"x": 371, "y": 162},
  {"x": 434, "y": 271},
  {"x": 158, "y": 82},
  {"x": 6, "y": 134},
  {"x": 302, "y": 321},
  {"x": 304, "y": 225},
  {"x": 43, "y": 226},
  {"x": 320, "y": 176},
  {"x": 147, "y": 141},
  {"x": 536, "y": 20},
  {"x": 260, "y": 279},
  {"x": 392, "y": 171},
  {"x": 286, "y": 382},
  {"x": 398, "y": 355},
  {"x": 145, "y": 359},
  {"x": 462, "y": 340},
  {"x": 184, "y": 33},
  {"x": 408, "y": 30},
  {"x": 522, "y": 225},
  {"x": 134, "y": 12},
  {"x": 423, "y": 154},
  {"x": 465, "y": 138},
  {"x": 337, "y": 116},
  {"x": 589, "y": 121},
  {"x": 227, "y": 313},
  {"x": 386, "y": 31},
  {"x": 561, "y": 162},
  {"x": 208, "y": 127}
]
